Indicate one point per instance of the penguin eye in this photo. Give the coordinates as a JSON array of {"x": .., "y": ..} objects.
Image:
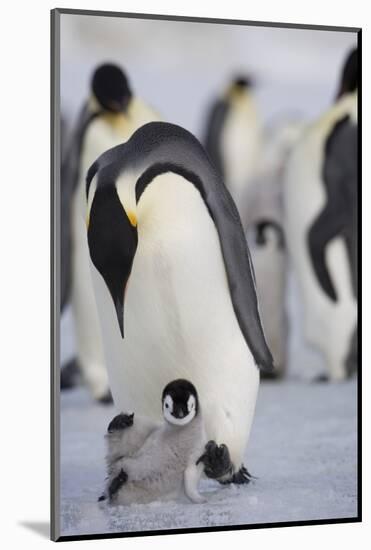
[{"x": 167, "y": 405}]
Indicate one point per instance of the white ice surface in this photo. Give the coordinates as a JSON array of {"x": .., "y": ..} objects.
[{"x": 303, "y": 450}]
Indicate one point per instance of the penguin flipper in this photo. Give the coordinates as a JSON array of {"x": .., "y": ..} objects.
[
  {"x": 240, "y": 274},
  {"x": 326, "y": 227},
  {"x": 116, "y": 483},
  {"x": 338, "y": 218},
  {"x": 340, "y": 174},
  {"x": 70, "y": 174},
  {"x": 120, "y": 422},
  {"x": 214, "y": 127}
]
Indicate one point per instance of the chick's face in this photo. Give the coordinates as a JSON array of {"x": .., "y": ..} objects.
[{"x": 179, "y": 411}]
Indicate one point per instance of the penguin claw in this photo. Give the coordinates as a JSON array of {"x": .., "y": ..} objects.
[
  {"x": 70, "y": 375},
  {"x": 242, "y": 477},
  {"x": 120, "y": 422},
  {"x": 216, "y": 460},
  {"x": 117, "y": 483}
]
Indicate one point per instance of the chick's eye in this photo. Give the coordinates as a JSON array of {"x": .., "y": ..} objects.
[{"x": 166, "y": 405}]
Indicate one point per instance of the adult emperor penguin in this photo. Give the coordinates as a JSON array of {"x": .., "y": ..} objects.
[
  {"x": 233, "y": 137},
  {"x": 321, "y": 225},
  {"x": 110, "y": 116},
  {"x": 175, "y": 286}
]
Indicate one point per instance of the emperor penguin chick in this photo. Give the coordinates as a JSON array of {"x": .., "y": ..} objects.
[{"x": 147, "y": 460}]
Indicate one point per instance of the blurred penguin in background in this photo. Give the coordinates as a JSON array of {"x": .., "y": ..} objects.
[
  {"x": 262, "y": 211},
  {"x": 233, "y": 137},
  {"x": 109, "y": 117},
  {"x": 320, "y": 202}
]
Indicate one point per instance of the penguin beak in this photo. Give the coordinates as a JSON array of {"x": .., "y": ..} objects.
[
  {"x": 119, "y": 105},
  {"x": 178, "y": 412},
  {"x": 115, "y": 106}
]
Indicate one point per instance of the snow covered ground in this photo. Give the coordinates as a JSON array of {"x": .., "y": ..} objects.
[{"x": 303, "y": 450}]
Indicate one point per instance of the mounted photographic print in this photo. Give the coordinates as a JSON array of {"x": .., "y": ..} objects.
[{"x": 205, "y": 199}]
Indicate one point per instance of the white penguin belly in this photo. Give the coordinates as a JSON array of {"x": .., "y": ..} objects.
[
  {"x": 179, "y": 319},
  {"x": 240, "y": 148}
]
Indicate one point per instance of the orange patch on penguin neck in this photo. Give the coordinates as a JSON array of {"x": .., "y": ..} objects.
[{"x": 132, "y": 218}]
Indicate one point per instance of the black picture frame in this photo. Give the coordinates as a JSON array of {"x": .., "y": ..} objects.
[{"x": 55, "y": 152}]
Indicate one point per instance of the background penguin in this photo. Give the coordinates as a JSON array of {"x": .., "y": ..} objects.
[
  {"x": 233, "y": 137},
  {"x": 109, "y": 117},
  {"x": 147, "y": 461},
  {"x": 321, "y": 225},
  {"x": 262, "y": 210},
  {"x": 159, "y": 213}
]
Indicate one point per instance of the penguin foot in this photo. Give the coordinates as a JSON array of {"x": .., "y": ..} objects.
[
  {"x": 120, "y": 422},
  {"x": 106, "y": 398},
  {"x": 242, "y": 477},
  {"x": 216, "y": 460},
  {"x": 70, "y": 375},
  {"x": 270, "y": 375},
  {"x": 320, "y": 378},
  {"x": 117, "y": 483}
]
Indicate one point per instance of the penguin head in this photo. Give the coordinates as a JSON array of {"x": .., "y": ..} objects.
[
  {"x": 242, "y": 82},
  {"x": 349, "y": 76},
  {"x": 111, "y": 88},
  {"x": 269, "y": 232},
  {"x": 179, "y": 402},
  {"x": 239, "y": 87}
]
